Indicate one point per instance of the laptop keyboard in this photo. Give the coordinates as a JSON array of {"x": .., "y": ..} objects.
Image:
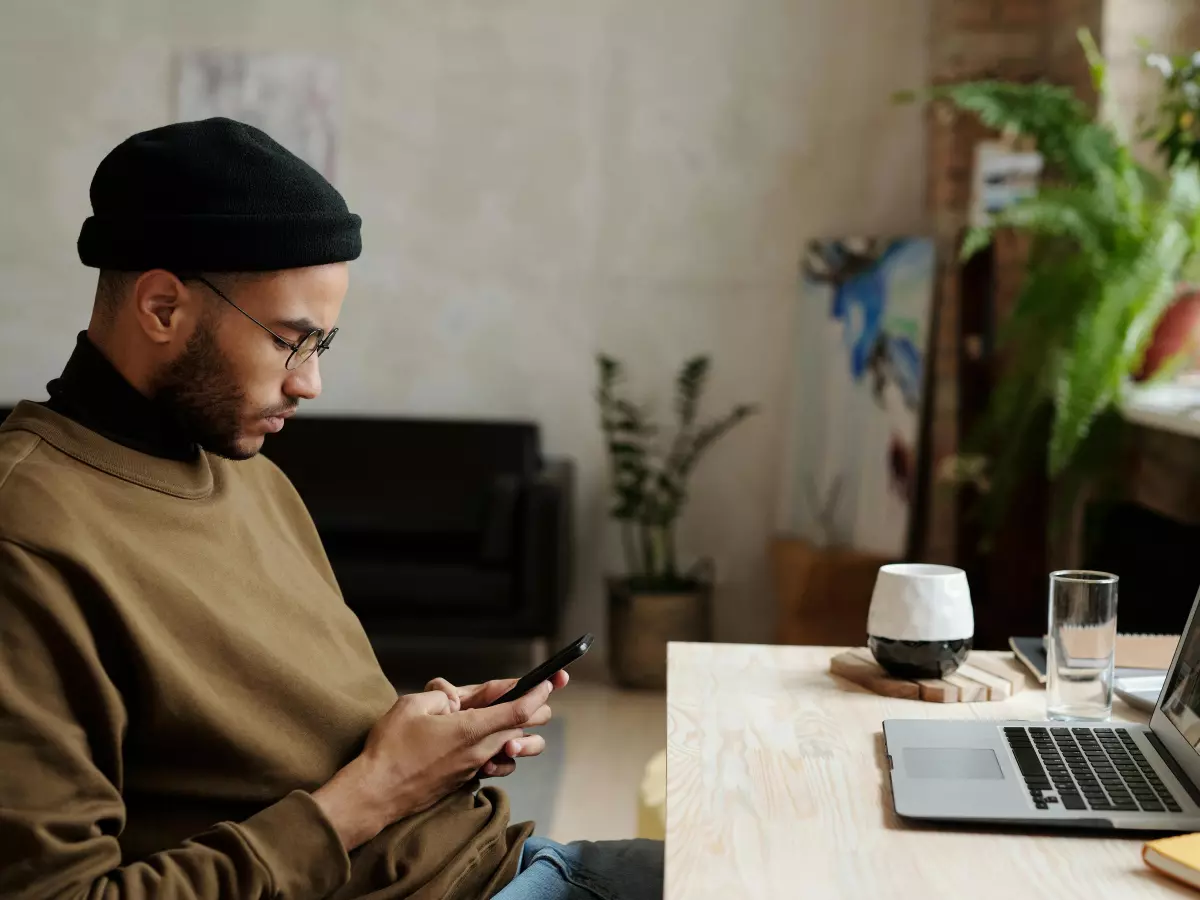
[{"x": 1088, "y": 768}]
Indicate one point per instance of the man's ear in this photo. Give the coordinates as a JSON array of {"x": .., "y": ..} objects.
[{"x": 165, "y": 308}]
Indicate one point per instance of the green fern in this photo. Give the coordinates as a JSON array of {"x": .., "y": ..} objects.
[
  {"x": 1066, "y": 135},
  {"x": 1110, "y": 241}
]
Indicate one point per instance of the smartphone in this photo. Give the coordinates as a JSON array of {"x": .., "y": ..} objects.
[{"x": 557, "y": 662}]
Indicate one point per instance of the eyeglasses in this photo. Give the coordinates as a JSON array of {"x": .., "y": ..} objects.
[{"x": 316, "y": 341}]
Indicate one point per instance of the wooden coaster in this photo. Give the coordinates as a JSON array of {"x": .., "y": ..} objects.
[{"x": 980, "y": 678}]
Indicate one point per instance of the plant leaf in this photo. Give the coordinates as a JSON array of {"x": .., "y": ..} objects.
[
  {"x": 1065, "y": 212},
  {"x": 975, "y": 240},
  {"x": 1110, "y": 340},
  {"x": 689, "y": 386},
  {"x": 1058, "y": 121},
  {"x": 710, "y": 434}
]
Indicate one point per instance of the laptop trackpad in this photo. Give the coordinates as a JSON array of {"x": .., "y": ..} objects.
[{"x": 951, "y": 763}]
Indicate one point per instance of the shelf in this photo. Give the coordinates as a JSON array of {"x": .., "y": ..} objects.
[{"x": 1173, "y": 407}]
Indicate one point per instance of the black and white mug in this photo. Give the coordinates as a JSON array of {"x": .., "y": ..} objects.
[{"x": 921, "y": 623}]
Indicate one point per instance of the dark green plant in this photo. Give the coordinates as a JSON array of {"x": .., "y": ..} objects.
[
  {"x": 1109, "y": 241},
  {"x": 650, "y": 476},
  {"x": 1175, "y": 129}
]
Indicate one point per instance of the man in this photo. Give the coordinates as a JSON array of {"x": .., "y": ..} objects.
[{"x": 187, "y": 707}]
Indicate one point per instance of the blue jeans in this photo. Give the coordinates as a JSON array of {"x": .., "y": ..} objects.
[{"x": 587, "y": 870}]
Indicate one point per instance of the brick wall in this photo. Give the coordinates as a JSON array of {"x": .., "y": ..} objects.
[{"x": 974, "y": 39}]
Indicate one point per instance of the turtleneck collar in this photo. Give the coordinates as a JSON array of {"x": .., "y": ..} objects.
[{"x": 94, "y": 394}]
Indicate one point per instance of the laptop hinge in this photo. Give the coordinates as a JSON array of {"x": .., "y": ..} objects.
[{"x": 1176, "y": 769}]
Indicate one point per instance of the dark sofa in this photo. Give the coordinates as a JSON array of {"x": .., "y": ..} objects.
[{"x": 436, "y": 527}]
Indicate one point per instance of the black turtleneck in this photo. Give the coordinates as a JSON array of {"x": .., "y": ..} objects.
[{"x": 93, "y": 393}]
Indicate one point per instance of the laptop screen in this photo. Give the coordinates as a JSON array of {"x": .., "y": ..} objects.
[{"x": 1181, "y": 698}]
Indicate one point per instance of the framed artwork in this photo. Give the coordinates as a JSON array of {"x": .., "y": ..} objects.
[
  {"x": 864, "y": 323},
  {"x": 292, "y": 98}
]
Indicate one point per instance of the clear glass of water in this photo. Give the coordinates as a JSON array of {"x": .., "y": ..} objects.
[{"x": 1081, "y": 645}]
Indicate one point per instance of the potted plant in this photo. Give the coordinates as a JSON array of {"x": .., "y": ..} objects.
[
  {"x": 1175, "y": 127},
  {"x": 656, "y": 600},
  {"x": 1175, "y": 131},
  {"x": 1109, "y": 242}
]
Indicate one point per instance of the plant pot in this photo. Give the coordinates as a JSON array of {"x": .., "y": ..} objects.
[
  {"x": 1177, "y": 332},
  {"x": 822, "y": 593},
  {"x": 921, "y": 623},
  {"x": 642, "y": 621}
]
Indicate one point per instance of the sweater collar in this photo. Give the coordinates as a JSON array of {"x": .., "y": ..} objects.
[{"x": 187, "y": 479}]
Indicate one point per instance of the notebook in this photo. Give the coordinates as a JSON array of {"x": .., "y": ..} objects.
[
  {"x": 1177, "y": 857},
  {"x": 1137, "y": 654}
]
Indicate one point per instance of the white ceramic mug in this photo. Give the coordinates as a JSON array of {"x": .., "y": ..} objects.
[{"x": 921, "y": 623}]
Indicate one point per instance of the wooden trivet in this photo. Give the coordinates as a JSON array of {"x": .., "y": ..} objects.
[{"x": 981, "y": 677}]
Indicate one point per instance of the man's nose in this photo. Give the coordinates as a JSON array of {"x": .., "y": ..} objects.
[{"x": 304, "y": 382}]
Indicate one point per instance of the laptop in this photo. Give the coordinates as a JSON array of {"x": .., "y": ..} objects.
[{"x": 1060, "y": 774}]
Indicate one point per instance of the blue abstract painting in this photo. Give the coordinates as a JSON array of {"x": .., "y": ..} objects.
[{"x": 863, "y": 324}]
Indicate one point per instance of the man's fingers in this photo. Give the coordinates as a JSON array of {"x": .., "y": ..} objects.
[
  {"x": 512, "y": 742},
  {"x": 478, "y": 696},
  {"x": 498, "y": 767},
  {"x": 504, "y": 762},
  {"x": 483, "y": 694},
  {"x": 541, "y": 717},
  {"x": 433, "y": 703},
  {"x": 524, "y": 708},
  {"x": 493, "y": 745},
  {"x": 505, "y": 716},
  {"x": 455, "y": 694},
  {"x": 523, "y": 747},
  {"x": 529, "y": 745}
]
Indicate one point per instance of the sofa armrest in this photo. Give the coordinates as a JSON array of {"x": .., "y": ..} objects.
[
  {"x": 499, "y": 536},
  {"x": 545, "y": 545}
]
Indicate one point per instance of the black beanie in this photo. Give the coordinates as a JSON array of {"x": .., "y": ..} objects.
[{"x": 213, "y": 196}]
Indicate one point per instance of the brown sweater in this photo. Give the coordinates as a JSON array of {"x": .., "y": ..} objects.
[{"x": 177, "y": 671}]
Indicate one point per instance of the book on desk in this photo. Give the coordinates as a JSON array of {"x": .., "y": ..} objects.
[
  {"x": 1136, "y": 654},
  {"x": 1177, "y": 857}
]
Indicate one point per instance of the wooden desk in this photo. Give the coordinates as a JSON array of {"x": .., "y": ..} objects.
[{"x": 777, "y": 788}]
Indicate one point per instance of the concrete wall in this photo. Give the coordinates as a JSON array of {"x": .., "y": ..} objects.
[{"x": 539, "y": 180}]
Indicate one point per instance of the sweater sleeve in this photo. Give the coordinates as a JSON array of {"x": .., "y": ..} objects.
[{"x": 62, "y": 722}]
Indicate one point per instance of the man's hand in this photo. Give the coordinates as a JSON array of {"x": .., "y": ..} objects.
[
  {"x": 421, "y": 751},
  {"x": 478, "y": 696}
]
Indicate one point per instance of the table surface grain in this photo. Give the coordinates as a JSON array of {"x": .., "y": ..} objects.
[{"x": 777, "y": 787}]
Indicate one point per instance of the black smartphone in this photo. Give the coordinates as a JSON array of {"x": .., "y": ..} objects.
[{"x": 557, "y": 662}]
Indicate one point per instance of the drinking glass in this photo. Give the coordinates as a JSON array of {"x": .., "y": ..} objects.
[{"x": 1082, "y": 640}]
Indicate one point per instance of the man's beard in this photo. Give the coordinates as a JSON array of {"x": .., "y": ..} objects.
[{"x": 199, "y": 390}]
